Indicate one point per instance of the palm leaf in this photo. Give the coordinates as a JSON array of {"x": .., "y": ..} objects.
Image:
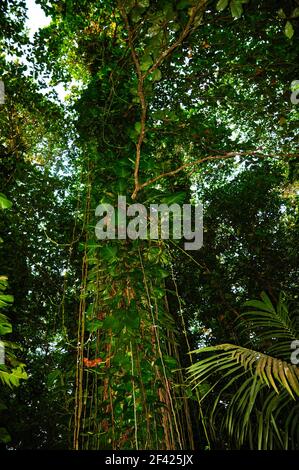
[
  {"x": 268, "y": 323},
  {"x": 270, "y": 371},
  {"x": 253, "y": 395}
]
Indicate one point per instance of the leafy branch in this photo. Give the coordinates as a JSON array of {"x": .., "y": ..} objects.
[
  {"x": 194, "y": 11},
  {"x": 212, "y": 158}
]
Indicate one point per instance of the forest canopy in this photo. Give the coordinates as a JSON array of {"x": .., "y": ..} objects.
[{"x": 126, "y": 343}]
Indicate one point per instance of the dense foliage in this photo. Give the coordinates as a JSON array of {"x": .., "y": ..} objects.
[{"x": 168, "y": 102}]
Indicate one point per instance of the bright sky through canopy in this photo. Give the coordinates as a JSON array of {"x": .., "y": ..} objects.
[{"x": 36, "y": 17}]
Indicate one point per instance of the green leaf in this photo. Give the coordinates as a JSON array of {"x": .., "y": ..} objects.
[
  {"x": 3, "y": 282},
  {"x": 111, "y": 323},
  {"x": 295, "y": 13},
  {"x": 5, "y": 300},
  {"x": 146, "y": 63},
  {"x": 158, "y": 292},
  {"x": 289, "y": 30},
  {"x": 136, "y": 13},
  {"x": 281, "y": 13},
  {"x": 132, "y": 320},
  {"x": 173, "y": 198},
  {"x": 109, "y": 253},
  {"x": 12, "y": 379},
  {"x": 4, "y": 202},
  {"x": 5, "y": 328},
  {"x": 236, "y": 8},
  {"x": 93, "y": 325},
  {"x": 4, "y": 436},
  {"x": 221, "y": 5},
  {"x": 122, "y": 360},
  {"x": 161, "y": 273},
  {"x": 170, "y": 362},
  {"x": 138, "y": 127},
  {"x": 143, "y": 3},
  {"x": 262, "y": 372},
  {"x": 53, "y": 377},
  {"x": 156, "y": 75}
]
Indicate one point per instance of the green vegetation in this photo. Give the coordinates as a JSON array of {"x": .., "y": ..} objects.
[{"x": 166, "y": 101}]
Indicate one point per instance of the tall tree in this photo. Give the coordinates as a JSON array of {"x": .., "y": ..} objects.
[{"x": 169, "y": 102}]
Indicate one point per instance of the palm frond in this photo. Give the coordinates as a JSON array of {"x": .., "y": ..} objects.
[
  {"x": 270, "y": 371},
  {"x": 252, "y": 396},
  {"x": 269, "y": 323}
]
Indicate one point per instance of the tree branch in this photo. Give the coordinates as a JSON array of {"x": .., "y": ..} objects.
[
  {"x": 212, "y": 158},
  {"x": 187, "y": 29},
  {"x": 142, "y": 76},
  {"x": 140, "y": 92}
]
